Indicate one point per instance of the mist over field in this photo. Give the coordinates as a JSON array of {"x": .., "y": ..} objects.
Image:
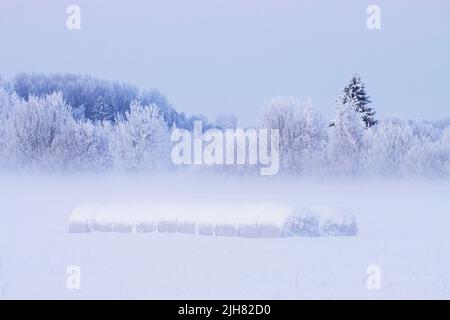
[
  {"x": 402, "y": 228},
  {"x": 224, "y": 150}
]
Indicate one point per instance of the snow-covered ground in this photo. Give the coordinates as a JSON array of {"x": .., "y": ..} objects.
[{"x": 403, "y": 227}]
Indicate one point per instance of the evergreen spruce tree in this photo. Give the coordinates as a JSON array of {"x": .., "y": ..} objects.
[
  {"x": 355, "y": 92},
  {"x": 103, "y": 110}
]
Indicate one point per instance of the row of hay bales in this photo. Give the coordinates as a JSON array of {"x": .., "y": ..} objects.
[{"x": 249, "y": 221}]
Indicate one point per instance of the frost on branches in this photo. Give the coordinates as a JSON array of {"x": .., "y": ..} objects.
[
  {"x": 302, "y": 133},
  {"x": 42, "y": 132},
  {"x": 140, "y": 140}
]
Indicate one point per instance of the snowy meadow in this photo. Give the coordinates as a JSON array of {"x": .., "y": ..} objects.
[
  {"x": 402, "y": 230},
  {"x": 68, "y": 141}
]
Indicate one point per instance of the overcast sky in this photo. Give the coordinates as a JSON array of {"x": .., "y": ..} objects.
[{"x": 210, "y": 56}]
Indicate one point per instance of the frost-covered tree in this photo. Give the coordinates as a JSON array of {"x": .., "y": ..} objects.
[
  {"x": 83, "y": 146},
  {"x": 425, "y": 130},
  {"x": 39, "y": 130},
  {"x": 314, "y": 137},
  {"x": 346, "y": 139},
  {"x": 388, "y": 145},
  {"x": 40, "y": 134},
  {"x": 445, "y": 145},
  {"x": 140, "y": 140},
  {"x": 7, "y": 103},
  {"x": 33, "y": 129},
  {"x": 103, "y": 110},
  {"x": 301, "y": 130},
  {"x": 81, "y": 94},
  {"x": 355, "y": 92},
  {"x": 429, "y": 157}
]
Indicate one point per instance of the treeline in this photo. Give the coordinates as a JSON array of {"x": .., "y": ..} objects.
[
  {"x": 95, "y": 99},
  {"x": 71, "y": 123},
  {"x": 388, "y": 147}
]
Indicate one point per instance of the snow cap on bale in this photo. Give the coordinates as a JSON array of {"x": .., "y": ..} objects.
[{"x": 80, "y": 220}]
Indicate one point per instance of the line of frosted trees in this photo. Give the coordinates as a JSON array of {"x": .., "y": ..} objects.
[
  {"x": 40, "y": 133},
  {"x": 389, "y": 147}
]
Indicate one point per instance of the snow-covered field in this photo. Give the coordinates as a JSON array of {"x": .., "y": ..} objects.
[{"x": 403, "y": 227}]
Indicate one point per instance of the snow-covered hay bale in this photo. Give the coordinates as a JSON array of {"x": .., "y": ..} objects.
[
  {"x": 270, "y": 231},
  {"x": 167, "y": 226},
  {"x": 103, "y": 226},
  {"x": 241, "y": 220},
  {"x": 145, "y": 227},
  {"x": 206, "y": 229},
  {"x": 187, "y": 227},
  {"x": 226, "y": 230},
  {"x": 79, "y": 227},
  {"x": 248, "y": 230},
  {"x": 337, "y": 222},
  {"x": 165, "y": 216},
  {"x": 113, "y": 218},
  {"x": 80, "y": 220},
  {"x": 145, "y": 219},
  {"x": 271, "y": 219},
  {"x": 301, "y": 223},
  {"x": 121, "y": 227}
]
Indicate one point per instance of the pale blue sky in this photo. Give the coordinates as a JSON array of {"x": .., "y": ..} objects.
[{"x": 211, "y": 56}]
